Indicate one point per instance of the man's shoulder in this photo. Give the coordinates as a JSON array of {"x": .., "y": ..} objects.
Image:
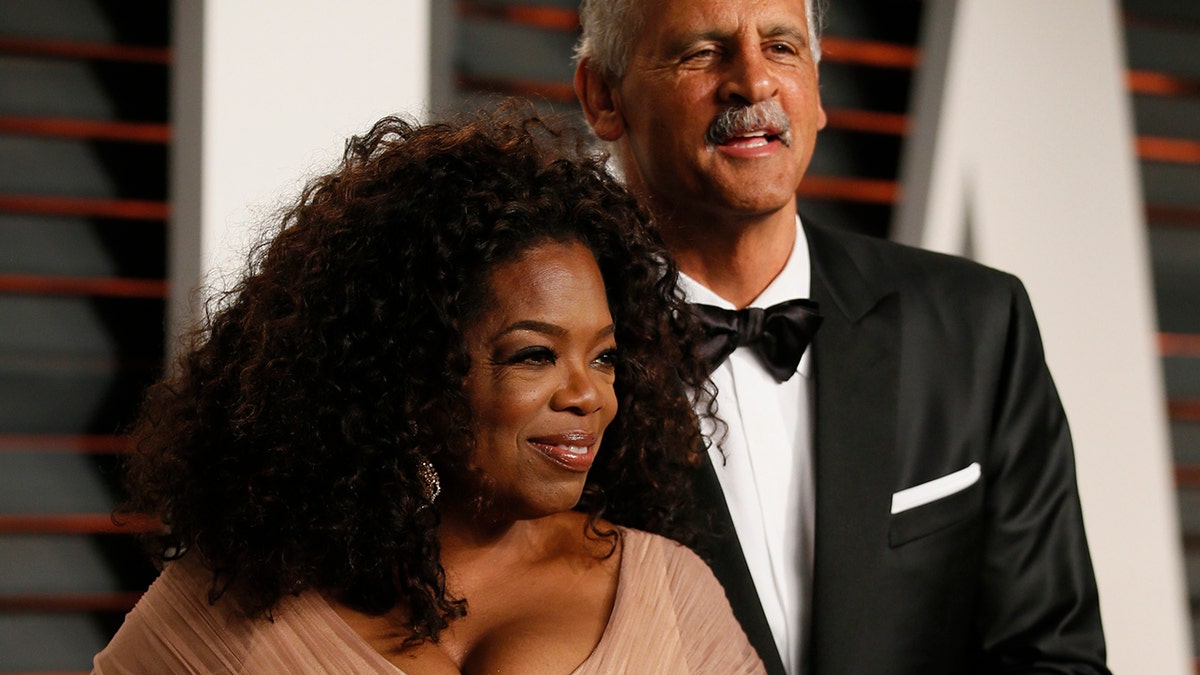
[{"x": 902, "y": 267}]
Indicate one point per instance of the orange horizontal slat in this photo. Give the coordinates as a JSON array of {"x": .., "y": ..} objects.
[
  {"x": 1150, "y": 83},
  {"x": 67, "y": 443},
  {"x": 1179, "y": 344},
  {"x": 835, "y": 49},
  {"x": 1187, "y": 475},
  {"x": 867, "y": 121},
  {"x": 869, "y": 52},
  {"x": 75, "y": 523},
  {"x": 1150, "y": 148},
  {"x": 131, "y": 209},
  {"x": 89, "y": 129},
  {"x": 1184, "y": 409},
  {"x": 849, "y": 189},
  {"x": 839, "y": 50},
  {"x": 558, "y": 92},
  {"x": 98, "y": 51},
  {"x": 1174, "y": 150},
  {"x": 1173, "y": 215},
  {"x": 88, "y": 286},
  {"x": 538, "y": 16},
  {"x": 70, "y": 602}
]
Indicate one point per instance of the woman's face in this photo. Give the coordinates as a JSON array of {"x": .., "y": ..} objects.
[{"x": 540, "y": 385}]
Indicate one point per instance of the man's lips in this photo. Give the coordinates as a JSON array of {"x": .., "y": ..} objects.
[
  {"x": 572, "y": 450},
  {"x": 750, "y": 144},
  {"x": 750, "y": 139}
]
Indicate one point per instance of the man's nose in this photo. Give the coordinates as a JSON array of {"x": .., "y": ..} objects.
[{"x": 750, "y": 78}]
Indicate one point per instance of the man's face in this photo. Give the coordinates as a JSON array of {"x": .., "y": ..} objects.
[{"x": 718, "y": 108}]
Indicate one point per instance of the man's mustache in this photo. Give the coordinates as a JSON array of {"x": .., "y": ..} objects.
[{"x": 764, "y": 115}]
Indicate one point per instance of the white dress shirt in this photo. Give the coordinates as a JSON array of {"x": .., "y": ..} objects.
[{"x": 766, "y": 471}]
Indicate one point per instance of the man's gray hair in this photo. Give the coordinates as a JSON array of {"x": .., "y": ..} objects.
[{"x": 611, "y": 26}]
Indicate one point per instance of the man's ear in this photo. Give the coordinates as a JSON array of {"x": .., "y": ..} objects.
[
  {"x": 599, "y": 103},
  {"x": 822, "y": 119}
]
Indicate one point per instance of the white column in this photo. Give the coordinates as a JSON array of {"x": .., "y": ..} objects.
[
  {"x": 1022, "y": 156},
  {"x": 265, "y": 94}
]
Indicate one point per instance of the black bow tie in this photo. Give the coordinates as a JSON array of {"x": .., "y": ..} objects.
[{"x": 779, "y": 334}]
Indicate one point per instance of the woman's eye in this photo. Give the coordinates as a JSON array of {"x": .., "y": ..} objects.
[
  {"x": 533, "y": 356},
  {"x": 607, "y": 358}
]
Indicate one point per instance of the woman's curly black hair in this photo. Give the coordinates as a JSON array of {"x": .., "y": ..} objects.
[{"x": 284, "y": 450}]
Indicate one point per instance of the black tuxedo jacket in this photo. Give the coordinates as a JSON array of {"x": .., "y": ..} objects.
[{"x": 926, "y": 364}]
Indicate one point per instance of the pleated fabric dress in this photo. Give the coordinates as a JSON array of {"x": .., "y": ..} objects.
[{"x": 670, "y": 616}]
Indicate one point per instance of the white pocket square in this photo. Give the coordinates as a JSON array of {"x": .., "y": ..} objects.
[{"x": 935, "y": 489}]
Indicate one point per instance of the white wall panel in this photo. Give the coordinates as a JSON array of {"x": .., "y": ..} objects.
[{"x": 266, "y": 93}]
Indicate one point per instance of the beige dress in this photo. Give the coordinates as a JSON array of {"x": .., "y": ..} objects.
[{"x": 670, "y": 616}]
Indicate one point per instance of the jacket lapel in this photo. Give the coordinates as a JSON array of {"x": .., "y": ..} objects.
[
  {"x": 856, "y": 364},
  {"x": 729, "y": 566}
]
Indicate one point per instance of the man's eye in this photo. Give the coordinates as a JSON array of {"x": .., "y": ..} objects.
[{"x": 704, "y": 54}]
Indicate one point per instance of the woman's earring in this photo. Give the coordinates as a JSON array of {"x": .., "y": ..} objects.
[{"x": 429, "y": 480}]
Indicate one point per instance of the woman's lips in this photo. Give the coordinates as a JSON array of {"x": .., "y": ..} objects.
[{"x": 572, "y": 450}]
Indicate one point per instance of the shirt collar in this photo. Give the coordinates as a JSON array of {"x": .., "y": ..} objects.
[{"x": 793, "y": 281}]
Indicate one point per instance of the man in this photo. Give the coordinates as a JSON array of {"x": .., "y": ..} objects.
[{"x": 904, "y": 496}]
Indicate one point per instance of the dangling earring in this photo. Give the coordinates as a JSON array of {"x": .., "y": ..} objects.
[{"x": 429, "y": 480}]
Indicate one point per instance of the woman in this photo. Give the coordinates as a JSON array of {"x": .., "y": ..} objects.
[{"x": 384, "y": 454}]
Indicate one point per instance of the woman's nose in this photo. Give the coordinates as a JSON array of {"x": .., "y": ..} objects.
[{"x": 580, "y": 391}]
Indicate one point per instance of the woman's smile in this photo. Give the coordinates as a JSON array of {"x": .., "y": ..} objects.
[{"x": 573, "y": 450}]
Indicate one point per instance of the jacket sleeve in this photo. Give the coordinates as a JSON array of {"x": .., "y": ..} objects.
[{"x": 1039, "y": 609}]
